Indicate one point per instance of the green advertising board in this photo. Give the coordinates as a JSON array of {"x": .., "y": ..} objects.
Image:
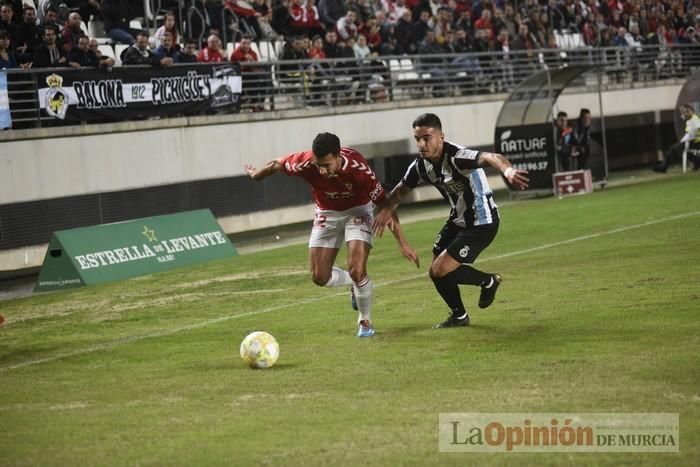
[{"x": 111, "y": 252}]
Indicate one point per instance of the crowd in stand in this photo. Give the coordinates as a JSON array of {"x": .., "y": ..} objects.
[{"x": 44, "y": 34}]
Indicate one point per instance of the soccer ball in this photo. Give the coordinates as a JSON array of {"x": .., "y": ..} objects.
[{"x": 260, "y": 350}]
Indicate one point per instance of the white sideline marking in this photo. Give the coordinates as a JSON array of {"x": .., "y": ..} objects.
[{"x": 129, "y": 340}]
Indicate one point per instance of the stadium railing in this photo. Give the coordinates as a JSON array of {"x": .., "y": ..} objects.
[{"x": 280, "y": 85}]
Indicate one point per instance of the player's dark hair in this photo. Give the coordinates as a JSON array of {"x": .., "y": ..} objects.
[
  {"x": 326, "y": 143},
  {"x": 583, "y": 112},
  {"x": 689, "y": 107},
  {"x": 429, "y": 120},
  {"x": 562, "y": 114}
]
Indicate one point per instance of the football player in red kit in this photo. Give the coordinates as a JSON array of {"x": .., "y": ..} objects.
[{"x": 345, "y": 190}]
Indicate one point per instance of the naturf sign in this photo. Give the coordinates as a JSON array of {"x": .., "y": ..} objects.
[
  {"x": 531, "y": 148},
  {"x": 111, "y": 252}
]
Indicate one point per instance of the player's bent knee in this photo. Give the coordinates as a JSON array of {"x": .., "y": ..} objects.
[
  {"x": 320, "y": 279},
  {"x": 435, "y": 272},
  {"x": 357, "y": 274}
]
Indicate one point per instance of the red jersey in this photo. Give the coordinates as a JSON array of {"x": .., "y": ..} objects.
[
  {"x": 208, "y": 55},
  {"x": 353, "y": 185}
]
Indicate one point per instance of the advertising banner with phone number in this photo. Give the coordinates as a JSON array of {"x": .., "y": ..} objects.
[
  {"x": 531, "y": 148},
  {"x": 132, "y": 92}
]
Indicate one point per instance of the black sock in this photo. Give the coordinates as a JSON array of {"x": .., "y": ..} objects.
[
  {"x": 468, "y": 275},
  {"x": 449, "y": 291}
]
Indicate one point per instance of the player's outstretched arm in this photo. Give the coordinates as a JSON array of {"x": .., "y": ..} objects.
[
  {"x": 386, "y": 209},
  {"x": 406, "y": 250},
  {"x": 269, "y": 169},
  {"x": 516, "y": 177}
]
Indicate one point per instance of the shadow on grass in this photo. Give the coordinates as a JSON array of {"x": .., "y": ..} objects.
[{"x": 238, "y": 364}]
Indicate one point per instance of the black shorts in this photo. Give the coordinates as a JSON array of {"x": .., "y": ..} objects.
[{"x": 464, "y": 244}]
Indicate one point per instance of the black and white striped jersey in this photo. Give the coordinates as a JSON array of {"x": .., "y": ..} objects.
[{"x": 460, "y": 181}]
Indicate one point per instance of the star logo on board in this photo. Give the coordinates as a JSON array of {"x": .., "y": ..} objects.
[{"x": 150, "y": 234}]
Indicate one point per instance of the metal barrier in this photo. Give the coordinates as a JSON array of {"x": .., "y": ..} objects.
[{"x": 278, "y": 85}]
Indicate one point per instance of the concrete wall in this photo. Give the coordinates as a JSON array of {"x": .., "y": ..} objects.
[{"x": 109, "y": 160}]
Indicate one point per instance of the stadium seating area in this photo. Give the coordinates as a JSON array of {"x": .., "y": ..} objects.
[{"x": 391, "y": 27}]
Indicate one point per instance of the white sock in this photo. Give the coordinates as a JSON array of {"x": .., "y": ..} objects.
[
  {"x": 363, "y": 296},
  {"x": 339, "y": 277}
]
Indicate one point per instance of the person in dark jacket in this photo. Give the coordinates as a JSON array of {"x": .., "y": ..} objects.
[
  {"x": 140, "y": 54},
  {"x": 582, "y": 137},
  {"x": 49, "y": 54},
  {"x": 81, "y": 56},
  {"x": 116, "y": 24}
]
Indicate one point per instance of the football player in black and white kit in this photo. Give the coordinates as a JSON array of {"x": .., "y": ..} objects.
[{"x": 457, "y": 173}]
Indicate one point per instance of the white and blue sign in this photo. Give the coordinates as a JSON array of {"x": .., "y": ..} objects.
[{"x": 5, "y": 119}]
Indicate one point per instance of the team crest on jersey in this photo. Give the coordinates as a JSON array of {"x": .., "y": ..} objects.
[
  {"x": 464, "y": 252},
  {"x": 348, "y": 186}
]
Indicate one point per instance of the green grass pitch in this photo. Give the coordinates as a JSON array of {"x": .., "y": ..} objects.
[{"x": 599, "y": 312}]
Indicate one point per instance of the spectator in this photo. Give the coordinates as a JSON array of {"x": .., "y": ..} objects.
[
  {"x": 28, "y": 36},
  {"x": 81, "y": 56},
  {"x": 86, "y": 8},
  {"x": 94, "y": 46},
  {"x": 497, "y": 22},
  {"x": 316, "y": 50},
  {"x": 420, "y": 28},
  {"x": 48, "y": 54},
  {"x": 372, "y": 35},
  {"x": 7, "y": 24},
  {"x": 281, "y": 19},
  {"x": 206, "y": 20},
  {"x": 169, "y": 25},
  {"x": 331, "y": 47},
  {"x": 464, "y": 22},
  {"x": 264, "y": 15},
  {"x": 360, "y": 49},
  {"x": 362, "y": 9},
  {"x": 346, "y": 26},
  {"x": 509, "y": 20},
  {"x": 403, "y": 33},
  {"x": 442, "y": 24},
  {"x": 168, "y": 48},
  {"x": 7, "y": 57},
  {"x": 620, "y": 39},
  {"x": 212, "y": 53},
  {"x": 140, "y": 54},
  {"x": 71, "y": 31},
  {"x": 254, "y": 80},
  {"x": 635, "y": 38},
  {"x": 394, "y": 9},
  {"x": 485, "y": 23},
  {"x": 523, "y": 42},
  {"x": 691, "y": 138},
  {"x": 304, "y": 18},
  {"x": 188, "y": 54},
  {"x": 582, "y": 138},
  {"x": 565, "y": 143},
  {"x": 605, "y": 38},
  {"x": 247, "y": 14},
  {"x": 50, "y": 19},
  {"x": 330, "y": 11},
  {"x": 244, "y": 53},
  {"x": 502, "y": 44},
  {"x": 116, "y": 24},
  {"x": 435, "y": 66}
]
